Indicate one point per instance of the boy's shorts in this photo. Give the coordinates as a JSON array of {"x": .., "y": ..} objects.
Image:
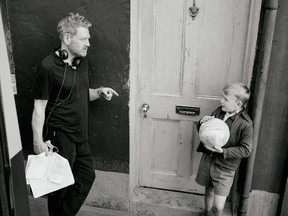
[{"x": 212, "y": 175}]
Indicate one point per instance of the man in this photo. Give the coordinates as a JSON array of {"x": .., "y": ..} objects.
[{"x": 61, "y": 101}]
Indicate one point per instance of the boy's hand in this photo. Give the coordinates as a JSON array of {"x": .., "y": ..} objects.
[
  {"x": 206, "y": 118},
  {"x": 218, "y": 149},
  {"x": 214, "y": 149}
]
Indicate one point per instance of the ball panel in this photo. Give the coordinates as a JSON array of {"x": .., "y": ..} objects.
[{"x": 214, "y": 132}]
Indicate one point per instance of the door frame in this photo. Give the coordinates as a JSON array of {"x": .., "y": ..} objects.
[{"x": 134, "y": 103}]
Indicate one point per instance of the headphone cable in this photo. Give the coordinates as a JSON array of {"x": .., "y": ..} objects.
[{"x": 58, "y": 95}]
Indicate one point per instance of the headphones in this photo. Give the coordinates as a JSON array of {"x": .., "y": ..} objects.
[{"x": 63, "y": 54}]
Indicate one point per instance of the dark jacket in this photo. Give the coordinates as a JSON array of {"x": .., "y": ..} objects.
[{"x": 239, "y": 144}]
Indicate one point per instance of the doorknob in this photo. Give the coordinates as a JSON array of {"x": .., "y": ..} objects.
[{"x": 145, "y": 107}]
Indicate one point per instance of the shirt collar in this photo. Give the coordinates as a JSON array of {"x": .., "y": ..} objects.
[
  {"x": 243, "y": 113},
  {"x": 228, "y": 115}
]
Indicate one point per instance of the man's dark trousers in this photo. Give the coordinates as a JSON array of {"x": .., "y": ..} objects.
[{"x": 68, "y": 201}]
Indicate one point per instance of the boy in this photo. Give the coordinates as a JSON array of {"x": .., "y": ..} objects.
[{"x": 218, "y": 165}]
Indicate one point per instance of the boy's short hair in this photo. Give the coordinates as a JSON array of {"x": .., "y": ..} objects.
[
  {"x": 69, "y": 24},
  {"x": 239, "y": 90}
]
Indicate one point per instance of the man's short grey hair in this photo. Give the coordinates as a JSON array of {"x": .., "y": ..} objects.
[{"x": 70, "y": 23}]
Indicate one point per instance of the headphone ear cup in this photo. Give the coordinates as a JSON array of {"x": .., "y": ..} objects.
[
  {"x": 63, "y": 54},
  {"x": 76, "y": 62}
]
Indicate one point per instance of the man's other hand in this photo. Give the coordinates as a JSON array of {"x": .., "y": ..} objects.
[
  {"x": 40, "y": 147},
  {"x": 108, "y": 93}
]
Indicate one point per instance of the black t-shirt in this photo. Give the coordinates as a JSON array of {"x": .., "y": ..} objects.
[{"x": 67, "y": 92}]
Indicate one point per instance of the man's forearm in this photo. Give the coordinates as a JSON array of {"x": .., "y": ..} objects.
[
  {"x": 37, "y": 126},
  {"x": 38, "y": 119}
]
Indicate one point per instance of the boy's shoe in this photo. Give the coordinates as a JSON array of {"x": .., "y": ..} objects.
[{"x": 205, "y": 213}]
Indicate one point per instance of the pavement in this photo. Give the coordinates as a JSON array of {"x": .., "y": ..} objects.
[
  {"x": 38, "y": 207},
  {"x": 150, "y": 202}
]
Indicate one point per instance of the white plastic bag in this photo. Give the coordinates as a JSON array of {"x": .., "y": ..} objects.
[{"x": 48, "y": 173}]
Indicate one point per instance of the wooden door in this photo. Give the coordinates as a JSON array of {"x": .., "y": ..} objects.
[{"x": 185, "y": 62}]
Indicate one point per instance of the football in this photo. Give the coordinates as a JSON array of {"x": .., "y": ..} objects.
[{"x": 214, "y": 132}]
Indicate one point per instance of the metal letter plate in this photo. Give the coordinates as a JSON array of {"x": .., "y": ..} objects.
[{"x": 188, "y": 110}]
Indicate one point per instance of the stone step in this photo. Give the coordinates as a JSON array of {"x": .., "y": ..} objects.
[
  {"x": 154, "y": 202},
  {"x": 38, "y": 207}
]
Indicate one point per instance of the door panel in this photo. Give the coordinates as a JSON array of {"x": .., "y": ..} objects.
[
  {"x": 184, "y": 62},
  {"x": 168, "y": 48}
]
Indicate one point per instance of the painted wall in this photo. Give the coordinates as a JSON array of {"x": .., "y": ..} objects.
[
  {"x": 270, "y": 171},
  {"x": 33, "y": 32}
]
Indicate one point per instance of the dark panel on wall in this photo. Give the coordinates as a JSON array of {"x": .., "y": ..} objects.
[
  {"x": 33, "y": 29},
  {"x": 109, "y": 122},
  {"x": 272, "y": 153}
]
